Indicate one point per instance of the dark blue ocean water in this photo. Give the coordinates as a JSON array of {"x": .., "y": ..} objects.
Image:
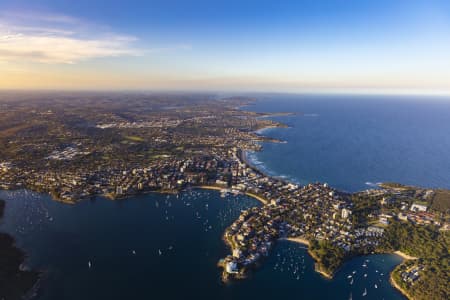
[{"x": 353, "y": 141}]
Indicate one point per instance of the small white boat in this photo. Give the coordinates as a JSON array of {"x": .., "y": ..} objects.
[
  {"x": 365, "y": 275},
  {"x": 349, "y": 276},
  {"x": 351, "y": 282},
  {"x": 89, "y": 264},
  {"x": 365, "y": 293},
  {"x": 376, "y": 286},
  {"x": 159, "y": 252},
  {"x": 134, "y": 252}
]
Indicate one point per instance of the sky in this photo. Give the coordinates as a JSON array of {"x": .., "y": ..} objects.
[{"x": 277, "y": 46}]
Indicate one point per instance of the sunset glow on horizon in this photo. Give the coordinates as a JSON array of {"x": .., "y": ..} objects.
[{"x": 399, "y": 46}]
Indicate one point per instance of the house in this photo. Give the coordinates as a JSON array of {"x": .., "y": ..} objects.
[
  {"x": 231, "y": 267},
  {"x": 237, "y": 253},
  {"x": 418, "y": 207},
  {"x": 345, "y": 213},
  {"x": 402, "y": 216}
]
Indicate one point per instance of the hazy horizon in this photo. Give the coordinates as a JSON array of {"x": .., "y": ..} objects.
[{"x": 398, "y": 47}]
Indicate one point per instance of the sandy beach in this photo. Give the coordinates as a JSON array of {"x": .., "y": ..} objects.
[
  {"x": 404, "y": 255},
  {"x": 297, "y": 240},
  {"x": 259, "y": 198},
  {"x": 216, "y": 188},
  {"x": 209, "y": 187}
]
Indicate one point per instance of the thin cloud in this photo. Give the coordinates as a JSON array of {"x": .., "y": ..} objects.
[
  {"x": 58, "y": 40},
  {"x": 39, "y": 17}
]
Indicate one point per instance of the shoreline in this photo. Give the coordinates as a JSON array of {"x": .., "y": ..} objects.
[
  {"x": 328, "y": 276},
  {"x": 217, "y": 188},
  {"x": 306, "y": 243},
  {"x": 298, "y": 240},
  {"x": 259, "y": 198},
  {"x": 392, "y": 281},
  {"x": 404, "y": 255},
  {"x": 398, "y": 287}
]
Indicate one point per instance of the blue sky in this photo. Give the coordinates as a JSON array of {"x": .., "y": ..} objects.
[{"x": 226, "y": 45}]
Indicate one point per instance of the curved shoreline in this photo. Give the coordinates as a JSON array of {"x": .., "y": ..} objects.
[
  {"x": 328, "y": 276},
  {"x": 391, "y": 275},
  {"x": 297, "y": 240},
  {"x": 217, "y": 188},
  {"x": 398, "y": 287},
  {"x": 404, "y": 255},
  {"x": 306, "y": 243}
]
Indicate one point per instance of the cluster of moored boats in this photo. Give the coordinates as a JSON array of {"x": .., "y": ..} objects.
[
  {"x": 188, "y": 199},
  {"x": 351, "y": 277},
  {"x": 291, "y": 260}
]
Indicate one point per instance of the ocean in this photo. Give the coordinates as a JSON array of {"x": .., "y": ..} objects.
[
  {"x": 353, "y": 142},
  {"x": 158, "y": 246}
]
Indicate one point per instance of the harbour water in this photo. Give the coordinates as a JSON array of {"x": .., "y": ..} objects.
[
  {"x": 163, "y": 247},
  {"x": 166, "y": 247}
]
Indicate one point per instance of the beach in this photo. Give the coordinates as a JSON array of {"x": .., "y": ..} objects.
[
  {"x": 217, "y": 188},
  {"x": 404, "y": 255}
]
